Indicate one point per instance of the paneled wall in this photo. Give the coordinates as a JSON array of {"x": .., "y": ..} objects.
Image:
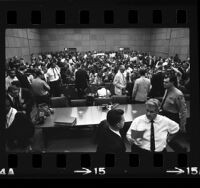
[
  {"x": 168, "y": 42},
  {"x": 22, "y": 42},
  {"x": 94, "y": 39},
  {"x": 160, "y": 42}
]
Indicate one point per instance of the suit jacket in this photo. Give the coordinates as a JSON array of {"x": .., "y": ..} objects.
[
  {"x": 119, "y": 82},
  {"x": 157, "y": 89},
  {"x": 26, "y": 98},
  {"x": 23, "y": 80},
  {"x": 81, "y": 79},
  {"x": 108, "y": 141},
  {"x": 21, "y": 128},
  {"x": 141, "y": 89},
  {"x": 15, "y": 104}
]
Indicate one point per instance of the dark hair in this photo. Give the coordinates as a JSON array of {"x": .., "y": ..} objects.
[
  {"x": 142, "y": 72},
  {"x": 10, "y": 70},
  {"x": 114, "y": 116},
  {"x": 11, "y": 88},
  {"x": 16, "y": 83},
  {"x": 172, "y": 78},
  {"x": 22, "y": 67},
  {"x": 38, "y": 73}
]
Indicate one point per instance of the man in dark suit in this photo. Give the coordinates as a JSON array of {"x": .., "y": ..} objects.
[
  {"x": 157, "y": 89},
  {"x": 21, "y": 98},
  {"x": 19, "y": 128},
  {"x": 22, "y": 77},
  {"x": 109, "y": 138},
  {"x": 81, "y": 81}
]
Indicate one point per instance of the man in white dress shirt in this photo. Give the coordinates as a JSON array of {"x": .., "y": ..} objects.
[
  {"x": 151, "y": 132},
  {"x": 10, "y": 78},
  {"x": 53, "y": 76},
  {"x": 119, "y": 81}
]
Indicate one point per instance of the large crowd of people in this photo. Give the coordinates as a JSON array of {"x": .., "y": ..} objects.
[{"x": 135, "y": 74}]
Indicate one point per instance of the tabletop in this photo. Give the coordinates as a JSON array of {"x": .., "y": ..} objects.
[{"x": 93, "y": 115}]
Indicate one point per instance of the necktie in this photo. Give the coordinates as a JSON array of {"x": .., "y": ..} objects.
[
  {"x": 164, "y": 98},
  {"x": 152, "y": 147}
]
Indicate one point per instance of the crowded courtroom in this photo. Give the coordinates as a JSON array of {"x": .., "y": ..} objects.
[{"x": 97, "y": 90}]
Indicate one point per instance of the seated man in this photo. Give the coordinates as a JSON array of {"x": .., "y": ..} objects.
[
  {"x": 102, "y": 92},
  {"x": 150, "y": 132},
  {"x": 23, "y": 98},
  {"x": 109, "y": 139},
  {"x": 19, "y": 129}
]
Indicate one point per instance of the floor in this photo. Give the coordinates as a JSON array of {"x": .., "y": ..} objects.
[{"x": 77, "y": 141}]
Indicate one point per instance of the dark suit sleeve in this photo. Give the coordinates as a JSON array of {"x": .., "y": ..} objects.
[{"x": 28, "y": 97}]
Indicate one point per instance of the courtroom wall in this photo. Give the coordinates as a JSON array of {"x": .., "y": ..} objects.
[
  {"x": 22, "y": 43},
  {"x": 170, "y": 41},
  {"x": 162, "y": 42},
  {"x": 94, "y": 39}
]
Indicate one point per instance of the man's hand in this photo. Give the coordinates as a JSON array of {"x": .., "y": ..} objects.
[
  {"x": 130, "y": 140},
  {"x": 134, "y": 141}
]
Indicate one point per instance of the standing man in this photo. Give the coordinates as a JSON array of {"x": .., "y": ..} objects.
[
  {"x": 151, "y": 132},
  {"x": 24, "y": 99},
  {"x": 53, "y": 76},
  {"x": 174, "y": 107},
  {"x": 141, "y": 88},
  {"x": 81, "y": 81},
  {"x": 119, "y": 81},
  {"x": 109, "y": 139},
  {"x": 19, "y": 129},
  {"x": 173, "y": 104},
  {"x": 10, "y": 78},
  {"x": 20, "y": 74},
  {"x": 40, "y": 89},
  {"x": 157, "y": 87}
]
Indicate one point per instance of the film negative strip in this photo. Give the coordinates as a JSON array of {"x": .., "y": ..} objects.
[{"x": 33, "y": 34}]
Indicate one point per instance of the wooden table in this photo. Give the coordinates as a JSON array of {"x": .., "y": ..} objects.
[
  {"x": 93, "y": 115},
  {"x": 87, "y": 116}
]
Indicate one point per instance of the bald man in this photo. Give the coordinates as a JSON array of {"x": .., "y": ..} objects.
[{"x": 119, "y": 81}]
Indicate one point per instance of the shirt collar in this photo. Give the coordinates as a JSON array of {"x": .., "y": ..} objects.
[
  {"x": 10, "y": 97},
  {"x": 9, "y": 113},
  {"x": 155, "y": 120},
  {"x": 116, "y": 132}
]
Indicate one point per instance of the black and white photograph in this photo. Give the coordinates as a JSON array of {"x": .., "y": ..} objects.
[{"x": 104, "y": 90}]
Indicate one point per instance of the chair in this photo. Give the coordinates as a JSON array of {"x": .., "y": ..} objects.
[
  {"x": 59, "y": 102},
  {"x": 78, "y": 102},
  {"x": 120, "y": 99},
  {"x": 93, "y": 88},
  {"x": 100, "y": 101},
  {"x": 71, "y": 92}
]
